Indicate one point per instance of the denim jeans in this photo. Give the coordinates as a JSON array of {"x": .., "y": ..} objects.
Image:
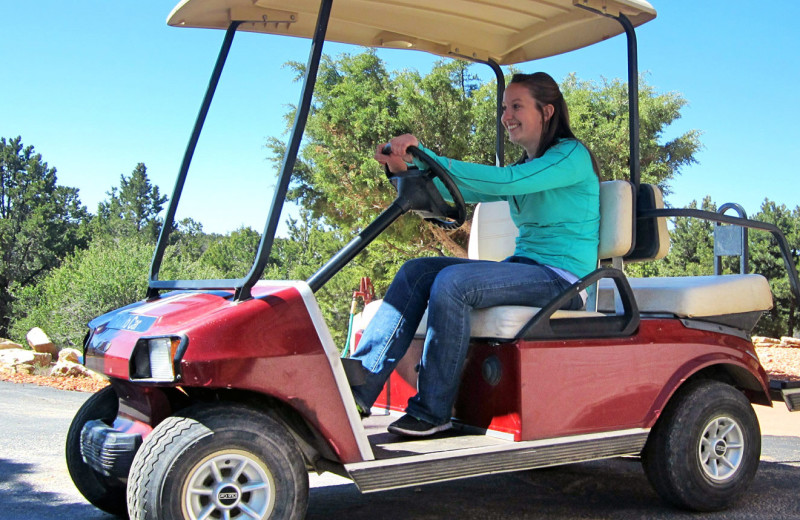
[{"x": 450, "y": 288}]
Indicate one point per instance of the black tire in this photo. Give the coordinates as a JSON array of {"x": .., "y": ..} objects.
[
  {"x": 705, "y": 449},
  {"x": 223, "y": 457},
  {"x": 103, "y": 492}
]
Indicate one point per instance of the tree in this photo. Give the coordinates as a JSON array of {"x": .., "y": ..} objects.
[
  {"x": 40, "y": 221},
  {"x": 599, "y": 117},
  {"x": 232, "y": 255},
  {"x": 765, "y": 259},
  {"x": 132, "y": 208},
  {"x": 111, "y": 273},
  {"x": 359, "y": 103}
]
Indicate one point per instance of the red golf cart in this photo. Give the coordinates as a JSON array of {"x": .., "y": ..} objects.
[{"x": 225, "y": 393}]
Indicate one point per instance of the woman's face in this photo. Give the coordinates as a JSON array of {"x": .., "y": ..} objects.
[{"x": 522, "y": 119}]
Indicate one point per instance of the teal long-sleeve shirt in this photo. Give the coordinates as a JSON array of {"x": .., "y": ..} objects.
[{"x": 554, "y": 202}]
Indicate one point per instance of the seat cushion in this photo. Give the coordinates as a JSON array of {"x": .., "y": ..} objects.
[
  {"x": 501, "y": 322},
  {"x": 694, "y": 296}
]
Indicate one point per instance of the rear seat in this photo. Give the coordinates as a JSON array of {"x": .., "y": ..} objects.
[{"x": 703, "y": 297}]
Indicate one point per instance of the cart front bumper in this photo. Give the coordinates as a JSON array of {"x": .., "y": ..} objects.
[{"x": 107, "y": 451}]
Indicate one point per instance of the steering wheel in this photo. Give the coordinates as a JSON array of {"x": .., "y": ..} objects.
[{"x": 456, "y": 213}]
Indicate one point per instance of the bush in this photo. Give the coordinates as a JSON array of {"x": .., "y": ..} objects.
[{"x": 109, "y": 274}]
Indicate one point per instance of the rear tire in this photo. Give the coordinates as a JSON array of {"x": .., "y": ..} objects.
[
  {"x": 220, "y": 461},
  {"x": 705, "y": 449},
  {"x": 103, "y": 492}
]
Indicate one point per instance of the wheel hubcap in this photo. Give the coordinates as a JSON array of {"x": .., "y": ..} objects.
[
  {"x": 229, "y": 485},
  {"x": 721, "y": 449}
]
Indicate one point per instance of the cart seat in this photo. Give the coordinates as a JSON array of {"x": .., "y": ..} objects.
[
  {"x": 694, "y": 296},
  {"x": 735, "y": 300},
  {"x": 493, "y": 237}
]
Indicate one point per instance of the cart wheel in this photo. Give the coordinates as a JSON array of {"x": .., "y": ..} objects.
[
  {"x": 222, "y": 461},
  {"x": 103, "y": 492},
  {"x": 705, "y": 448}
]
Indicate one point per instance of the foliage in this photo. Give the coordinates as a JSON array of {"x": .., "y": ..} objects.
[
  {"x": 40, "y": 221},
  {"x": 110, "y": 273},
  {"x": 765, "y": 259},
  {"x": 599, "y": 117},
  {"x": 232, "y": 255},
  {"x": 132, "y": 208}
]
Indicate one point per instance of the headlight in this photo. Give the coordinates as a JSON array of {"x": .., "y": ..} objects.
[{"x": 155, "y": 359}]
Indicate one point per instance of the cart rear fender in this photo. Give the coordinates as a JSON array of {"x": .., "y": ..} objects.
[{"x": 752, "y": 381}]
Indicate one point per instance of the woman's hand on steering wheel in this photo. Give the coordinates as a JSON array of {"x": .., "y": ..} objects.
[
  {"x": 397, "y": 157},
  {"x": 401, "y": 150}
]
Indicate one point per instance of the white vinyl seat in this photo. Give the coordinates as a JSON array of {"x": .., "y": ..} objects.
[{"x": 493, "y": 237}]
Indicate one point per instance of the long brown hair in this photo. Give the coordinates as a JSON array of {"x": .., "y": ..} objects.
[{"x": 545, "y": 91}]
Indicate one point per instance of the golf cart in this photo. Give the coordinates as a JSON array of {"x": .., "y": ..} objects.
[{"x": 224, "y": 394}]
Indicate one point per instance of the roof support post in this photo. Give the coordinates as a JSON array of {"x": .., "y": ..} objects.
[
  {"x": 633, "y": 101},
  {"x": 501, "y": 88},
  {"x": 169, "y": 218},
  {"x": 292, "y": 148}
]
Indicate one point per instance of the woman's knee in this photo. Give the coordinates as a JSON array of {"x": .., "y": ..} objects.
[
  {"x": 449, "y": 283},
  {"x": 418, "y": 267}
]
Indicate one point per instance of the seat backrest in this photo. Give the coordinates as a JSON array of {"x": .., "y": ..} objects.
[
  {"x": 493, "y": 235},
  {"x": 652, "y": 234}
]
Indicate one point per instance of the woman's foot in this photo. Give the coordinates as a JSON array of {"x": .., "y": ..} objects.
[{"x": 412, "y": 427}]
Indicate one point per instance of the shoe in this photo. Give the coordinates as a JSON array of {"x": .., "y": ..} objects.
[
  {"x": 413, "y": 427},
  {"x": 363, "y": 412}
]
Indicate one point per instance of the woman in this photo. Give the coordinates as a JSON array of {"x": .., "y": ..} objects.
[{"x": 553, "y": 195}]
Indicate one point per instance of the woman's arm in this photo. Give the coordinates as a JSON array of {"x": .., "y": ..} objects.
[{"x": 564, "y": 164}]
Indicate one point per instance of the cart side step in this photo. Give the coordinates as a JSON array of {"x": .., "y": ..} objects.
[
  {"x": 429, "y": 468},
  {"x": 786, "y": 391}
]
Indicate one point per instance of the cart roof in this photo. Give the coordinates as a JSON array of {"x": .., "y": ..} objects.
[{"x": 506, "y": 31}]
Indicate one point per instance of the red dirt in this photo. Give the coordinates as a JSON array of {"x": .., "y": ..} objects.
[{"x": 76, "y": 384}]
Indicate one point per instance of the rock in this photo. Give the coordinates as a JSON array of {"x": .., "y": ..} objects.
[
  {"x": 17, "y": 356},
  {"x": 765, "y": 340},
  {"x": 788, "y": 341},
  {"x": 24, "y": 368},
  {"x": 39, "y": 342},
  {"x": 7, "y": 343},
  {"x": 69, "y": 354},
  {"x": 66, "y": 368},
  {"x": 42, "y": 359}
]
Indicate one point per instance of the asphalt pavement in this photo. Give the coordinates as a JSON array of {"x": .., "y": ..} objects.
[{"x": 34, "y": 483}]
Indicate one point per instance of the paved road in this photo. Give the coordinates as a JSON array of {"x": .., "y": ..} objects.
[{"x": 34, "y": 483}]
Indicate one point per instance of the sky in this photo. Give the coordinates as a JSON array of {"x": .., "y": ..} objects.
[{"x": 97, "y": 86}]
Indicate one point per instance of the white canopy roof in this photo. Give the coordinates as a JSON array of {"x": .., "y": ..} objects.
[{"x": 506, "y": 31}]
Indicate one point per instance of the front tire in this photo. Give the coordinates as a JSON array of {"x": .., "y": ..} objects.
[
  {"x": 103, "y": 492},
  {"x": 705, "y": 449},
  {"x": 221, "y": 461}
]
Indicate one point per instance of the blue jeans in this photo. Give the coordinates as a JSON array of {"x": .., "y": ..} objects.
[{"x": 450, "y": 288}]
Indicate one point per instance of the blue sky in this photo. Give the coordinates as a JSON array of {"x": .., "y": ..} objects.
[{"x": 98, "y": 86}]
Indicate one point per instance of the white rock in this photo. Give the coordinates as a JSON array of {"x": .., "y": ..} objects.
[
  {"x": 39, "y": 342},
  {"x": 16, "y": 356},
  {"x": 66, "y": 368},
  {"x": 69, "y": 354},
  {"x": 7, "y": 343}
]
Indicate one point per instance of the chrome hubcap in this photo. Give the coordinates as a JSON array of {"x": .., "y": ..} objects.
[
  {"x": 229, "y": 485},
  {"x": 721, "y": 449}
]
